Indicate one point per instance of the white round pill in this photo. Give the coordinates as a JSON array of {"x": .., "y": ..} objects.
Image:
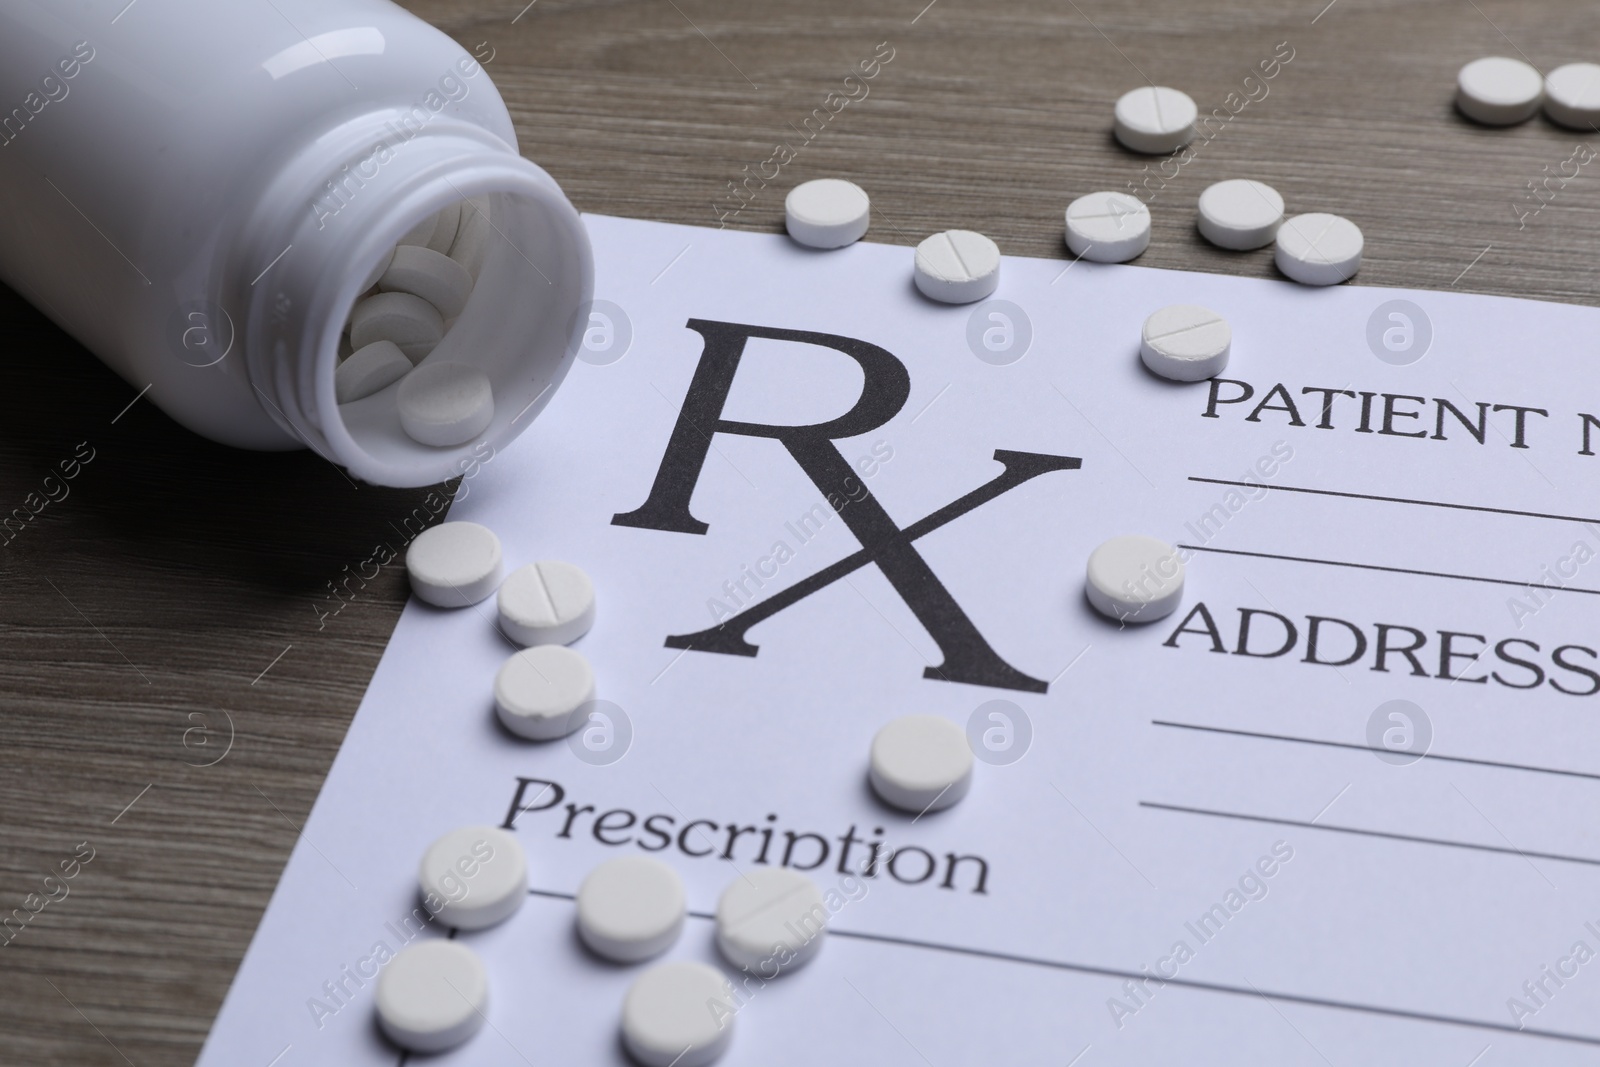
[
  {"x": 957, "y": 267},
  {"x": 1155, "y": 120},
  {"x": 454, "y": 564},
  {"x": 1572, "y": 96},
  {"x": 1318, "y": 249},
  {"x": 1107, "y": 227},
  {"x": 445, "y": 403},
  {"x": 771, "y": 917},
  {"x": 539, "y": 691},
  {"x": 432, "y": 996},
  {"x": 434, "y": 276},
  {"x": 1135, "y": 578},
  {"x": 921, "y": 763},
  {"x": 1185, "y": 342},
  {"x": 1240, "y": 214},
  {"x": 546, "y": 603},
  {"x": 369, "y": 369},
  {"x": 474, "y": 877},
  {"x": 827, "y": 213},
  {"x": 678, "y": 1015},
  {"x": 409, "y": 321},
  {"x": 631, "y": 908},
  {"x": 1498, "y": 90}
]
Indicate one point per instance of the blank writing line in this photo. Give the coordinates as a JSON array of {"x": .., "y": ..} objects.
[
  {"x": 1181, "y": 983},
  {"x": 1395, "y": 500},
  {"x": 1389, "y": 570},
  {"x": 1446, "y": 842},
  {"x": 1369, "y": 748}
]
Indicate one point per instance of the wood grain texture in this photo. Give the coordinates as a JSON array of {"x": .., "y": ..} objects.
[{"x": 140, "y": 611}]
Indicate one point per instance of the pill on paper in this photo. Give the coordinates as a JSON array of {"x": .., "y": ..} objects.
[
  {"x": 771, "y": 917},
  {"x": 631, "y": 908},
  {"x": 1185, "y": 342},
  {"x": 1498, "y": 91},
  {"x": 474, "y": 877},
  {"x": 1134, "y": 578},
  {"x": 369, "y": 369},
  {"x": 546, "y": 603},
  {"x": 445, "y": 403},
  {"x": 409, "y": 321},
  {"x": 454, "y": 564},
  {"x": 921, "y": 763},
  {"x": 433, "y": 276},
  {"x": 678, "y": 1015},
  {"x": 827, "y": 213},
  {"x": 957, "y": 267},
  {"x": 540, "y": 691},
  {"x": 1107, "y": 227},
  {"x": 432, "y": 996},
  {"x": 1318, "y": 249},
  {"x": 1155, "y": 120},
  {"x": 1240, "y": 214},
  {"x": 1572, "y": 96}
]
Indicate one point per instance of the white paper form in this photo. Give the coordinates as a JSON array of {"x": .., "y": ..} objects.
[{"x": 1222, "y": 842}]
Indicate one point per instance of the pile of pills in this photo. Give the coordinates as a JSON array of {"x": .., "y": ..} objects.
[{"x": 410, "y": 301}]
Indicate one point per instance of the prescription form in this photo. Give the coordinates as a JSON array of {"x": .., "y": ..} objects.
[{"x": 1338, "y": 808}]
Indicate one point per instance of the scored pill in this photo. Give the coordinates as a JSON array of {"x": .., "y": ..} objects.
[
  {"x": 631, "y": 908},
  {"x": 413, "y": 324},
  {"x": 454, "y": 564},
  {"x": 957, "y": 267},
  {"x": 432, "y": 996},
  {"x": 921, "y": 763},
  {"x": 771, "y": 916},
  {"x": 678, "y": 1014},
  {"x": 546, "y": 603},
  {"x": 433, "y": 276},
  {"x": 1185, "y": 342},
  {"x": 1134, "y": 578},
  {"x": 1107, "y": 227},
  {"x": 1154, "y": 119}
]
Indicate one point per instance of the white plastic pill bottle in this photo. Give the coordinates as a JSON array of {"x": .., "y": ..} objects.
[{"x": 198, "y": 191}]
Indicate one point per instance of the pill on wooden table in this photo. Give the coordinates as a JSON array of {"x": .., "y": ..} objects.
[
  {"x": 1185, "y": 342},
  {"x": 546, "y": 603},
  {"x": 539, "y": 692},
  {"x": 1107, "y": 227},
  {"x": 771, "y": 916},
  {"x": 409, "y": 321},
  {"x": 631, "y": 908},
  {"x": 377, "y": 270},
  {"x": 957, "y": 267},
  {"x": 1318, "y": 249},
  {"x": 432, "y": 996},
  {"x": 1134, "y": 578},
  {"x": 369, "y": 369},
  {"x": 678, "y": 1015},
  {"x": 445, "y": 403},
  {"x": 827, "y": 213},
  {"x": 1155, "y": 120},
  {"x": 434, "y": 276},
  {"x": 446, "y": 224},
  {"x": 474, "y": 877},
  {"x": 921, "y": 763},
  {"x": 454, "y": 564},
  {"x": 1240, "y": 214},
  {"x": 1572, "y": 96},
  {"x": 1498, "y": 90},
  {"x": 471, "y": 247}
]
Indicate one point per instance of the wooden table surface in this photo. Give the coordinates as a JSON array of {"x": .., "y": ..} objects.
[{"x": 175, "y": 598}]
